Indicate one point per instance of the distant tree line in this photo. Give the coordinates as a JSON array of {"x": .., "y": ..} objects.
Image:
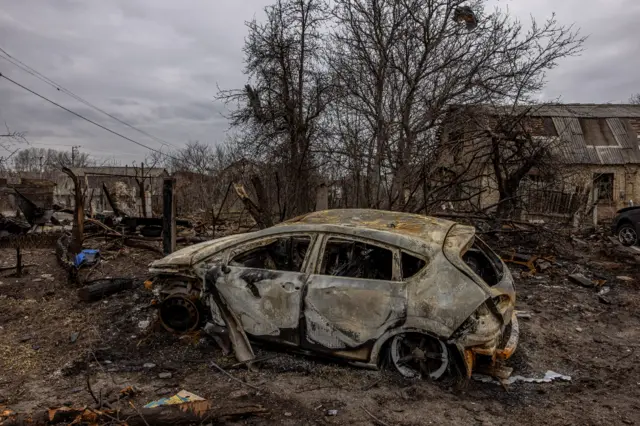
[{"x": 45, "y": 160}]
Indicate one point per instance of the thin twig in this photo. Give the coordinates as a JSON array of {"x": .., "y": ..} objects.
[
  {"x": 626, "y": 355},
  {"x": 99, "y": 412},
  {"x": 139, "y": 413},
  {"x": 374, "y": 418},
  {"x": 223, "y": 371},
  {"x": 372, "y": 385},
  {"x": 91, "y": 390}
]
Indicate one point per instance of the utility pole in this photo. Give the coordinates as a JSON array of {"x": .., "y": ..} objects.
[{"x": 74, "y": 152}]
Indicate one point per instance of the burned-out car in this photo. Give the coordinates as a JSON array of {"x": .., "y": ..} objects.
[{"x": 361, "y": 285}]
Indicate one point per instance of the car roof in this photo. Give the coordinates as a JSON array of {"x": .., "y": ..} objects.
[
  {"x": 426, "y": 228},
  {"x": 628, "y": 209}
]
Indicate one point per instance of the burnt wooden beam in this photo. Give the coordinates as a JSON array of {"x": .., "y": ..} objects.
[
  {"x": 258, "y": 214},
  {"x": 77, "y": 234},
  {"x": 112, "y": 202},
  {"x": 168, "y": 216}
]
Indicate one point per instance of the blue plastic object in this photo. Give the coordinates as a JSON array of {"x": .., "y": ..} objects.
[{"x": 87, "y": 257}]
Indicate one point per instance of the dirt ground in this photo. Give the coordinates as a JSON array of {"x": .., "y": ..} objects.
[{"x": 52, "y": 345}]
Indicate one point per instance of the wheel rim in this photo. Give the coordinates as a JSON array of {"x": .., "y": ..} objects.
[
  {"x": 419, "y": 356},
  {"x": 627, "y": 236},
  {"x": 179, "y": 314}
]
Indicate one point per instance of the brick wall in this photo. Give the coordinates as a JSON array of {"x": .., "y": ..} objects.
[{"x": 635, "y": 125}]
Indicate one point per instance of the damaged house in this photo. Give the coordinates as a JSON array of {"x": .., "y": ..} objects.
[
  {"x": 592, "y": 168},
  {"x": 127, "y": 185},
  {"x": 40, "y": 191}
]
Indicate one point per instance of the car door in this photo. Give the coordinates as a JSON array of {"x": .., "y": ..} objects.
[
  {"x": 355, "y": 295},
  {"x": 263, "y": 285}
]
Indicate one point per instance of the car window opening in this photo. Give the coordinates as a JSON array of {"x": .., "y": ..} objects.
[
  {"x": 484, "y": 262},
  {"x": 283, "y": 254},
  {"x": 411, "y": 265},
  {"x": 354, "y": 259}
]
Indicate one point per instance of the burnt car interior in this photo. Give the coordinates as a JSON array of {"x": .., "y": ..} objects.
[
  {"x": 355, "y": 259},
  {"x": 484, "y": 262},
  {"x": 411, "y": 265},
  {"x": 282, "y": 254}
]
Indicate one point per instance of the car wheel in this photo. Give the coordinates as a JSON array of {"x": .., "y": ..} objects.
[
  {"x": 627, "y": 235},
  {"x": 179, "y": 314},
  {"x": 419, "y": 356}
]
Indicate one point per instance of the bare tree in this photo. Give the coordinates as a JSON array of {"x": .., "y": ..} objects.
[
  {"x": 358, "y": 99},
  {"x": 10, "y": 142},
  {"x": 400, "y": 65},
  {"x": 635, "y": 99},
  {"x": 279, "y": 111}
]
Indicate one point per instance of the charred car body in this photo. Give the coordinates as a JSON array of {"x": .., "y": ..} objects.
[{"x": 360, "y": 285}]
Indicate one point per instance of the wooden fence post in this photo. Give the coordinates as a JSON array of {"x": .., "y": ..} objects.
[{"x": 168, "y": 217}]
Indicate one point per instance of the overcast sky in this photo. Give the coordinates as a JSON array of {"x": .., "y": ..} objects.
[{"x": 157, "y": 63}]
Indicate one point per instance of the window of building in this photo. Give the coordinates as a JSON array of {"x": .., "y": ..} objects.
[
  {"x": 541, "y": 126},
  {"x": 354, "y": 259},
  {"x": 278, "y": 254},
  {"x": 597, "y": 132},
  {"x": 603, "y": 184}
]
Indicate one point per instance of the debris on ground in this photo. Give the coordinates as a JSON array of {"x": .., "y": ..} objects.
[
  {"x": 549, "y": 377},
  {"x": 584, "y": 281},
  {"x": 625, "y": 279},
  {"x": 52, "y": 343},
  {"x": 100, "y": 288},
  {"x": 179, "y": 398},
  {"x": 86, "y": 258},
  {"x": 186, "y": 413}
]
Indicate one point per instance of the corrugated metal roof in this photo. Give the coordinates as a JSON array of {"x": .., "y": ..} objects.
[
  {"x": 575, "y": 149},
  {"x": 587, "y": 110},
  {"x": 562, "y": 110},
  {"x": 558, "y": 110},
  {"x": 118, "y": 171},
  {"x": 609, "y": 138}
]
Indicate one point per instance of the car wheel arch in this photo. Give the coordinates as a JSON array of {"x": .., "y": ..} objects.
[
  {"x": 622, "y": 222},
  {"x": 377, "y": 351}
]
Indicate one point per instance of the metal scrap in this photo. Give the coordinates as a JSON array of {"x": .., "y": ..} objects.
[{"x": 549, "y": 377}]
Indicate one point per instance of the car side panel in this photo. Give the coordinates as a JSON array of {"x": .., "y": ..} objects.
[
  {"x": 441, "y": 298},
  {"x": 266, "y": 302},
  {"x": 345, "y": 313}
]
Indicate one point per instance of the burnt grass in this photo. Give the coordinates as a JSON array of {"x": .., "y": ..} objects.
[{"x": 53, "y": 344}]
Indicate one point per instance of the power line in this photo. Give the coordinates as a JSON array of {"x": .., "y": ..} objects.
[
  {"x": 87, "y": 119},
  {"x": 24, "y": 67}
]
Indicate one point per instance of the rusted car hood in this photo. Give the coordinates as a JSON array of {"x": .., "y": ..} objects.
[{"x": 193, "y": 254}]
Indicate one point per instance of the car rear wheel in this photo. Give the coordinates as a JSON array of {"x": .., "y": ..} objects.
[
  {"x": 419, "y": 356},
  {"x": 627, "y": 235}
]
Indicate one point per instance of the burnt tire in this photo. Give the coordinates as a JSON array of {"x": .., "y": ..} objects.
[
  {"x": 627, "y": 235},
  {"x": 415, "y": 355},
  {"x": 180, "y": 314}
]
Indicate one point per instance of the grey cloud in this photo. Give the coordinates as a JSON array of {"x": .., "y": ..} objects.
[
  {"x": 123, "y": 102},
  {"x": 156, "y": 64}
]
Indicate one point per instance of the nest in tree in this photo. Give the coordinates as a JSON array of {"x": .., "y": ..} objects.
[{"x": 466, "y": 15}]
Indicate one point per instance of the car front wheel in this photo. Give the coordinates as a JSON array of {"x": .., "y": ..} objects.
[
  {"x": 627, "y": 235},
  {"x": 419, "y": 356}
]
